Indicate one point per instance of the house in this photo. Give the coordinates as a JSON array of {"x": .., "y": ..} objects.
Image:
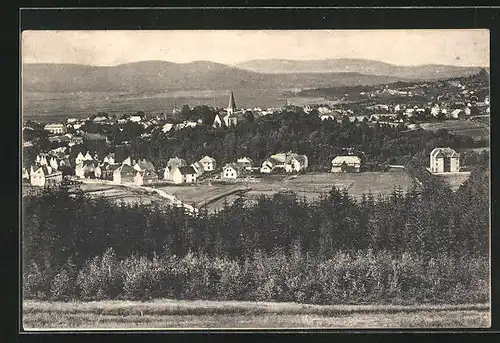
[
  {"x": 100, "y": 119},
  {"x": 107, "y": 170},
  {"x": 171, "y": 165},
  {"x": 167, "y": 127},
  {"x": 346, "y": 163},
  {"x": 53, "y": 163},
  {"x": 127, "y": 161},
  {"x": 358, "y": 119},
  {"x": 456, "y": 113},
  {"x": 44, "y": 176},
  {"x": 124, "y": 174},
  {"x": 55, "y": 128},
  {"x": 231, "y": 171},
  {"x": 435, "y": 110},
  {"x": 198, "y": 167},
  {"x": 327, "y": 117},
  {"x": 289, "y": 161},
  {"x": 87, "y": 169},
  {"x": 444, "y": 160},
  {"x": 41, "y": 159},
  {"x": 25, "y": 174},
  {"x": 143, "y": 165},
  {"x": 208, "y": 163},
  {"x": 245, "y": 162},
  {"x": 184, "y": 175},
  {"x": 135, "y": 119},
  {"x": 95, "y": 138},
  {"x": 230, "y": 120},
  {"x": 80, "y": 157},
  {"x": 217, "y": 121},
  {"x": 110, "y": 158},
  {"x": 145, "y": 177}
]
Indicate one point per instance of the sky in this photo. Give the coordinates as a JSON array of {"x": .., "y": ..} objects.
[{"x": 402, "y": 47}]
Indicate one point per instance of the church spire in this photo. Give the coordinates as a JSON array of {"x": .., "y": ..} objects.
[{"x": 232, "y": 105}]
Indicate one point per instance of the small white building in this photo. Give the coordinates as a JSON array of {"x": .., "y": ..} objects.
[
  {"x": 217, "y": 121},
  {"x": 208, "y": 163},
  {"x": 55, "y": 128},
  {"x": 245, "y": 162},
  {"x": 184, "y": 175},
  {"x": 231, "y": 171},
  {"x": 444, "y": 160},
  {"x": 44, "y": 176},
  {"x": 347, "y": 163},
  {"x": 289, "y": 161},
  {"x": 167, "y": 127}
]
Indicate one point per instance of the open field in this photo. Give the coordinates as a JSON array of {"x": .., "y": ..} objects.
[
  {"x": 213, "y": 196},
  {"x": 460, "y": 127},
  {"x": 171, "y": 314},
  {"x": 312, "y": 185},
  {"x": 202, "y": 194},
  {"x": 120, "y": 193}
]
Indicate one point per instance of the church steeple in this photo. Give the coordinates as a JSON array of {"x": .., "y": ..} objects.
[{"x": 232, "y": 105}]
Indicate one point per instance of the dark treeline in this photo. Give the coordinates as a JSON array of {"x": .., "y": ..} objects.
[
  {"x": 59, "y": 225},
  {"x": 305, "y": 134}
]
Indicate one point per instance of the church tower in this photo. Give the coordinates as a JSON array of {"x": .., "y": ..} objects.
[{"x": 232, "y": 105}]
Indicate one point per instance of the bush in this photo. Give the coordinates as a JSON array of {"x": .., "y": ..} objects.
[
  {"x": 101, "y": 277},
  {"x": 345, "y": 278},
  {"x": 62, "y": 286}
]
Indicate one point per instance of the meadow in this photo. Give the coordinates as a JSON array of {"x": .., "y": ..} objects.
[
  {"x": 460, "y": 127},
  {"x": 310, "y": 185},
  {"x": 201, "y": 314}
]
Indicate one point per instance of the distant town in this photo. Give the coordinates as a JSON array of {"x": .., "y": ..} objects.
[{"x": 97, "y": 149}]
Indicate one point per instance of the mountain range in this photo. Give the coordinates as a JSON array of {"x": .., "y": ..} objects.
[{"x": 158, "y": 76}]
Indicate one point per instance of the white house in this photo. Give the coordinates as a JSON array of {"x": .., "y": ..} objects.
[
  {"x": 444, "y": 160},
  {"x": 44, "y": 175},
  {"x": 217, "y": 121},
  {"x": 55, "y": 128},
  {"x": 184, "y": 175},
  {"x": 87, "y": 169},
  {"x": 435, "y": 110},
  {"x": 198, "y": 167},
  {"x": 167, "y": 127},
  {"x": 346, "y": 163},
  {"x": 127, "y": 161},
  {"x": 110, "y": 159},
  {"x": 231, "y": 171},
  {"x": 135, "y": 119},
  {"x": 208, "y": 163},
  {"x": 171, "y": 165},
  {"x": 289, "y": 161},
  {"x": 230, "y": 120},
  {"x": 53, "y": 163},
  {"x": 124, "y": 174},
  {"x": 145, "y": 177},
  {"x": 245, "y": 162}
]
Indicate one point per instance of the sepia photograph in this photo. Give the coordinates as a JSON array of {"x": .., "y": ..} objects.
[{"x": 255, "y": 179}]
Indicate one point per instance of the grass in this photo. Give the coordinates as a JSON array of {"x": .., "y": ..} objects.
[
  {"x": 165, "y": 313},
  {"x": 310, "y": 185},
  {"x": 460, "y": 127}
]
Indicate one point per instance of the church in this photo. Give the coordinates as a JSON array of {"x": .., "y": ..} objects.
[{"x": 231, "y": 117}]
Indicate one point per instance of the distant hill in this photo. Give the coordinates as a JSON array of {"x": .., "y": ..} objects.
[
  {"x": 155, "y": 76},
  {"x": 362, "y": 66}
]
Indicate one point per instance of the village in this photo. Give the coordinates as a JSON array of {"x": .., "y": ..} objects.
[{"x": 208, "y": 182}]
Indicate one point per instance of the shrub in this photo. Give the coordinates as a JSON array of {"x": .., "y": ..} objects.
[
  {"x": 101, "y": 277},
  {"x": 62, "y": 286}
]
